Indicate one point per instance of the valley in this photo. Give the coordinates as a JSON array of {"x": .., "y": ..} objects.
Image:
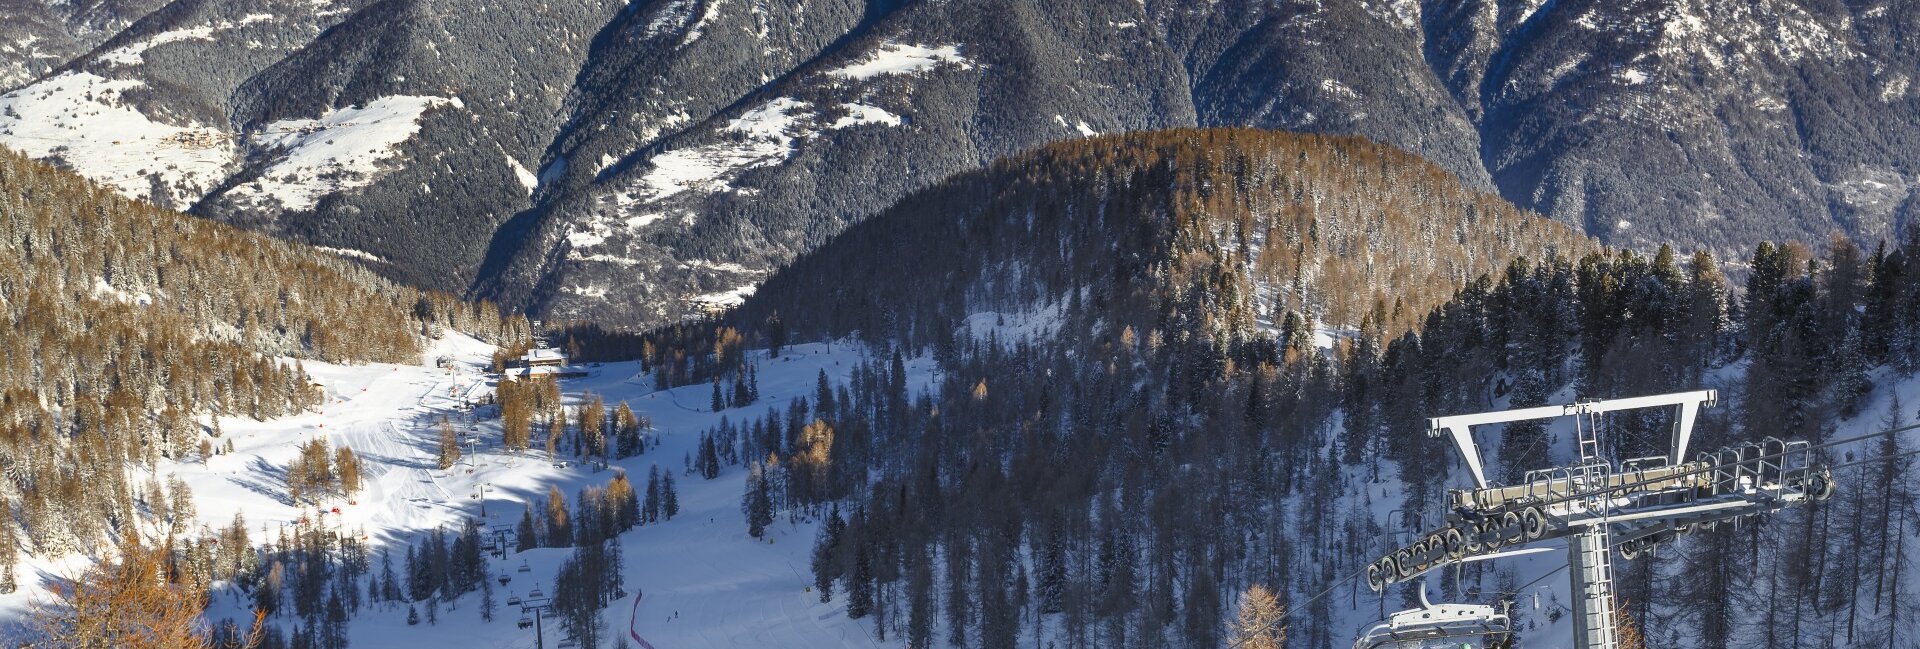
[{"x": 978, "y": 323}]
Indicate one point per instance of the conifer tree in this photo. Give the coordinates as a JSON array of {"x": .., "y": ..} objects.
[
  {"x": 627, "y": 430},
  {"x": 334, "y": 632},
  {"x": 121, "y": 603},
  {"x": 825, "y": 545},
  {"x": 9, "y": 549},
  {"x": 669, "y": 496},
  {"x": 757, "y": 502},
  {"x": 1256, "y": 624},
  {"x": 709, "y": 459},
  {"x": 348, "y": 466},
  {"x": 419, "y": 579},
  {"x": 486, "y": 600},
  {"x": 823, "y": 396},
  {"x": 920, "y": 609},
  {"x": 527, "y": 534},
  {"x": 516, "y": 414},
  {"x": 742, "y": 397},
  {"x": 389, "y": 582},
  {"x": 650, "y": 508},
  {"x": 559, "y": 529},
  {"x": 449, "y": 444},
  {"x": 860, "y": 583}
]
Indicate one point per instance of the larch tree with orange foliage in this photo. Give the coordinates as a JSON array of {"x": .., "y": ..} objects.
[{"x": 132, "y": 603}]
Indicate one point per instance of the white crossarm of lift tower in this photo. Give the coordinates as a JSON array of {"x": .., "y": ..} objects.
[{"x": 1459, "y": 427}]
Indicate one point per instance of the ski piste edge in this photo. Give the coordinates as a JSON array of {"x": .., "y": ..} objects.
[{"x": 633, "y": 619}]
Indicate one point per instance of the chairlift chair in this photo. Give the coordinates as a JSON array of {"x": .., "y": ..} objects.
[
  {"x": 536, "y": 594},
  {"x": 525, "y": 568},
  {"x": 504, "y": 578},
  {"x": 513, "y": 600},
  {"x": 1470, "y": 625},
  {"x": 526, "y": 622}
]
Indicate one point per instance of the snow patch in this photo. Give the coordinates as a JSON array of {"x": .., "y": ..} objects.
[
  {"x": 341, "y": 150},
  {"x": 595, "y": 235},
  {"x": 1338, "y": 90},
  {"x": 133, "y": 54},
  {"x": 77, "y": 118},
  {"x": 553, "y": 170},
  {"x": 102, "y": 289},
  {"x": 724, "y": 299},
  {"x": 767, "y": 142},
  {"x": 526, "y": 178},
  {"x": 901, "y": 58},
  {"x": 858, "y": 114},
  {"x": 350, "y": 252},
  {"x": 1038, "y": 322},
  {"x": 722, "y": 266},
  {"x": 1894, "y": 87},
  {"x": 679, "y": 16}
]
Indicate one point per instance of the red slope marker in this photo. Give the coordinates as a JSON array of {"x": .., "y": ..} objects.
[{"x": 634, "y": 619}]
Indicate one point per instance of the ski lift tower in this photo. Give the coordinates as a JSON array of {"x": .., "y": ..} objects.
[{"x": 1600, "y": 506}]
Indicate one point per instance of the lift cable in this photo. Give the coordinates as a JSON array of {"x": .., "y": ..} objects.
[
  {"x": 1670, "y": 476},
  {"x": 1882, "y": 458},
  {"x": 1295, "y": 608}
]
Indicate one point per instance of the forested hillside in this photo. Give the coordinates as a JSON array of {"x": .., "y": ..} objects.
[
  {"x": 126, "y": 325},
  {"x": 1115, "y": 469},
  {"x": 1242, "y": 230},
  {"x": 640, "y": 162}
]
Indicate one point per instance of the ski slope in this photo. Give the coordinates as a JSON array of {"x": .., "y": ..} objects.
[{"x": 727, "y": 589}]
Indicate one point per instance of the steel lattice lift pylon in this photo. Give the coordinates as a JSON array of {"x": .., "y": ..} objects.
[{"x": 1600, "y": 506}]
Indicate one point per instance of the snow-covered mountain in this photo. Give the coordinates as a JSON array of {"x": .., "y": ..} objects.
[
  {"x": 402, "y": 131},
  {"x": 1087, "y": 394},
  {"x": 644, "y": 161},
  {"x": 41, "y": 35}
]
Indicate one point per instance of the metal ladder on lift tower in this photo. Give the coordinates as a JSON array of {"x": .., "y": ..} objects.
[{"x": 1592, "y": 550}]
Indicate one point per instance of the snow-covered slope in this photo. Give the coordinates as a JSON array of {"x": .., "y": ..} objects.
[
  {"x": 727, "y": 589},
  {"x": 82, "y": 120},
  {"x": 343, "y": 149}
]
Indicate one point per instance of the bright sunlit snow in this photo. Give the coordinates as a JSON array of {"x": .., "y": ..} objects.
[
  {"x": 728, "y": 589},
  {"x": 902, "y": 58},
  {"x": 343, "y": 149},
  {"x": 78, "y": 118}
]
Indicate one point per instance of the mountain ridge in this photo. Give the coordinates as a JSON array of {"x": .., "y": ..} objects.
[{"x": 609, "y": 142}]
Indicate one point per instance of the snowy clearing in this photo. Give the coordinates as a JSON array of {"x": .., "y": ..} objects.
[
  {"x": 902, "y": 58},
  {"x": 78, "y": 118},
  {"x": 341, "y": 150}
]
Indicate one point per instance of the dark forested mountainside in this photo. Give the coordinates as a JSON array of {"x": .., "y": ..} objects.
[
  {"x": 40, "y": 35},
  {"x": 643, "y": 163},
  {"x": 1639, "y": 122},
  {"x": 125, "y": 324},
  {"x": 488, "y": 80},
  {"x": 663, "y": 210},
  {"x": 1117, "y": 487},
  {"x": 1261, "y": 229},
  {"x": 403, "y": 132}
]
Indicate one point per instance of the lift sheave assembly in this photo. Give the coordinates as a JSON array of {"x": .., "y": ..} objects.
[{"x": 1597, "y": 505}]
